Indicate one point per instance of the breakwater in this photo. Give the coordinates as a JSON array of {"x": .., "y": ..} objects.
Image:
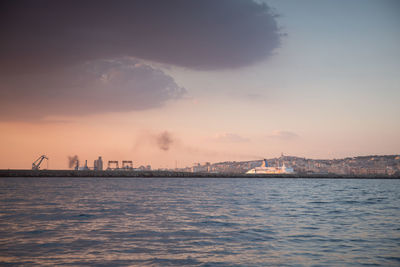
[{"x": 155, "y": 173}]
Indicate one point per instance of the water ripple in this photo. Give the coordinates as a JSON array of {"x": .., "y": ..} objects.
[{"x": 199, "y": 222}]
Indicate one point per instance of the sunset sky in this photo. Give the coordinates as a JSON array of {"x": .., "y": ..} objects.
[{"x": 182, "y": 81}]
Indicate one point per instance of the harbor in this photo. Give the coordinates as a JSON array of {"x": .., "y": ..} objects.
[{"x": 179, "y": 174}]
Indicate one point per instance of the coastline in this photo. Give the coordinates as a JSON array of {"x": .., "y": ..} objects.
[{"x": 173, "y": 174}]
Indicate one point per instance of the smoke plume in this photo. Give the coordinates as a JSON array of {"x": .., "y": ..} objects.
[
  {"x": 164, "y": 140},
  {"x": 73, "y": 161}
]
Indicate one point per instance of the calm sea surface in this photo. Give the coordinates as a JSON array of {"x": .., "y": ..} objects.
[{"x": 199, "y": 222}]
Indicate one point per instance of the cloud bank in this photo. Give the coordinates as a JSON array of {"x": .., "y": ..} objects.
[
  {"x": 81, "y": 57},
  {"x": 99, "y": 86},
  {"x": 45, "y": 35}
]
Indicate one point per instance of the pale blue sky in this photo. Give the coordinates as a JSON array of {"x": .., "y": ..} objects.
[{"x": 335, "y": 82}]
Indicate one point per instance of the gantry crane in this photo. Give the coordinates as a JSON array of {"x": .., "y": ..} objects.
[
  {"x": 127, "y": 164},
  {"x": 111, "y": 164},
  {"x": 36, "y": 163}
]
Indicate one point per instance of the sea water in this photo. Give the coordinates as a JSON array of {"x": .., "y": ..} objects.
[{"x": 199, "y": 222}]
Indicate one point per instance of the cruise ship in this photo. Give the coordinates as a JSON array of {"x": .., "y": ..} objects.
[{"x": 264, "y": 169}]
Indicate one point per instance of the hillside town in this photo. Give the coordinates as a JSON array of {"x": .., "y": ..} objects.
[{"x": 362, "y": 165}]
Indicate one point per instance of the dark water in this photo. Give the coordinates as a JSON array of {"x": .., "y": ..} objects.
[{"x": 199, "y": 222}]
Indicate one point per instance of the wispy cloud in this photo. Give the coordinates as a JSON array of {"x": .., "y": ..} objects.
[
  {"x": 230, "y": 138},
  {"x": 283, "y": 135}
]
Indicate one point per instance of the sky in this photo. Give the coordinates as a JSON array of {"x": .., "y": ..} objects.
[{"x": 172, "y": 83}]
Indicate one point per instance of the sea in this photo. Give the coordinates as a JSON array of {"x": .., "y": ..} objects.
[{"x": 199, "y": 222}]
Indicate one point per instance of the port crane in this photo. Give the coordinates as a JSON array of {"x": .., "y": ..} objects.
[
  {"x": 36, "y": 163},
  {"x": 112, "y": 163},
  {"x": 127, "y": 164}
]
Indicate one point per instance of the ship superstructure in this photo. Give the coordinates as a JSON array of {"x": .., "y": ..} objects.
[{"x": 265, "y": 169}]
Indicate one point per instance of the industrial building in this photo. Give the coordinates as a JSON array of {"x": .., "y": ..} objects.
[{"x": 98, "y": 164}]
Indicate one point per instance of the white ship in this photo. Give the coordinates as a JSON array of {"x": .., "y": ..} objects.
[{"x": 264, "y": 169}]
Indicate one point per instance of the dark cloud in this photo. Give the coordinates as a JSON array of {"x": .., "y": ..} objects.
[
  {"x": 164, "y": 141},
  {"x": 42, "y": 35},
  {"x": 94, "y": 87},
  {"x": 80, "y": 57}
]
